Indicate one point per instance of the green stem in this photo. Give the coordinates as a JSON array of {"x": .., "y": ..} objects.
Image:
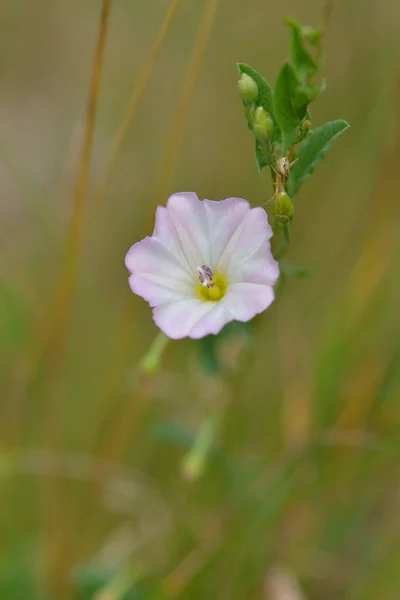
[
  {"x": 284, "y": 244},
  {"x": 151, "y": 361},
  {"x": 195, "y": 460},
  {"x": 121, "y": 584}
]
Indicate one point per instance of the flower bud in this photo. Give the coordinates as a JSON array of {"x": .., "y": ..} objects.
[
  {"x": 283, "y": 209},
  {"x": 263, "y": 125},
  {"x": 248, "y": 89}
]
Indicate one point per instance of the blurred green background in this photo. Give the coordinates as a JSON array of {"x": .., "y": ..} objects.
[{"x": 299, "y": 496}]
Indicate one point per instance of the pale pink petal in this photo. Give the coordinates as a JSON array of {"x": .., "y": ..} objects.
[
  {"x": 165, "y": 233},
  {"x": 242, "y": 302},
  {"x": 213, "y": 321},
  {"x": 252, "y": 233},
  {"x": 245, "y": 300},
  {"x": 157, "y": 275},
  {"x": 224, "y": 217},
  {"x": 191, "y": 227},
  {"x": 156, "y": 289},
  {"x": 197, "y": 319},
  {"x": 261, "y": 268},
  {"x": 177, "y": 318},
  {"x": 150, "y": 256}
]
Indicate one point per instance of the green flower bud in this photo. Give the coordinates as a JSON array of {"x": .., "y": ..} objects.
[
  {"x": 284, "y": 209},
  {"x": 248, "y": 89},
  {"x": 263, "y": 125}
]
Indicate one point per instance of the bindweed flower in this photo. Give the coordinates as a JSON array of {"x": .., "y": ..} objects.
[{"x": 207, "y": 263}]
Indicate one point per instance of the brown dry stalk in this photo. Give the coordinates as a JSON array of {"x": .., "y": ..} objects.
[
  {"x": 58, "y": 509},
  {"x": 76, "y": 226},
  {"x": 132, "y": 106},
  {"x": 178, "y": 129},
  {"x": 52, "y": 335}
]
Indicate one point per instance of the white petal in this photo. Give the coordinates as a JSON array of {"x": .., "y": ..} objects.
[
  {"x": 224, "y": 217},
  {"x": 245, "y": 300},
  {"x": 158, "y": 290},
  {"x": 191, "y": 227},
  {"x": 165, "y": 233},
  {"x": 178, "y": 318},
  {"x": 261, "y": 268},
  {"x": 212, "y": 322},
  {"x": 243, "y": 245},
  {"x": 157, "y": 275}
]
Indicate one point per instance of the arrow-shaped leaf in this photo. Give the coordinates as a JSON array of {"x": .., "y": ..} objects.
[
  {"x": 286, "y": 111},
  {"x": 311, "y": 152}
]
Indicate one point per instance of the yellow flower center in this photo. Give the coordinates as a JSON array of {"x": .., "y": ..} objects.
[{"x": 213, "y": 289}]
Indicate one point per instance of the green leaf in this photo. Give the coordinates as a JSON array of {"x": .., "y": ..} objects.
[
  {"x": 265, "y": 96},
  {"x": 312, "y": 35},
  {"x": 301, "y": 57},
  {"x": 305, "y": 94},
  {"x": 290, "y": 105},
  {"x": 311, "y": 151},
  {"x": 292, "y": 96}
]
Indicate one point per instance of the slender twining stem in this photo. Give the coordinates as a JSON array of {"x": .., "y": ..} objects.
[{"x": 133, "y": 103}]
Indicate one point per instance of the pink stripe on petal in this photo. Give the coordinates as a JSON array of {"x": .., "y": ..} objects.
[
  {"x": 252, "y": 232},
  {"x": 191, "y": 226},
  {"x": 165, "y": 233},
  {"x": 261, "y": 268},
  {"x": 224, "y": 217}
]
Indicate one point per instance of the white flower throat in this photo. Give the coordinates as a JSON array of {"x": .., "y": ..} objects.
[{"x": 211, "y": 286}]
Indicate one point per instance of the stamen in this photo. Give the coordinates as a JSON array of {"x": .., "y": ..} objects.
[{"x": 206, "y": 276}]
